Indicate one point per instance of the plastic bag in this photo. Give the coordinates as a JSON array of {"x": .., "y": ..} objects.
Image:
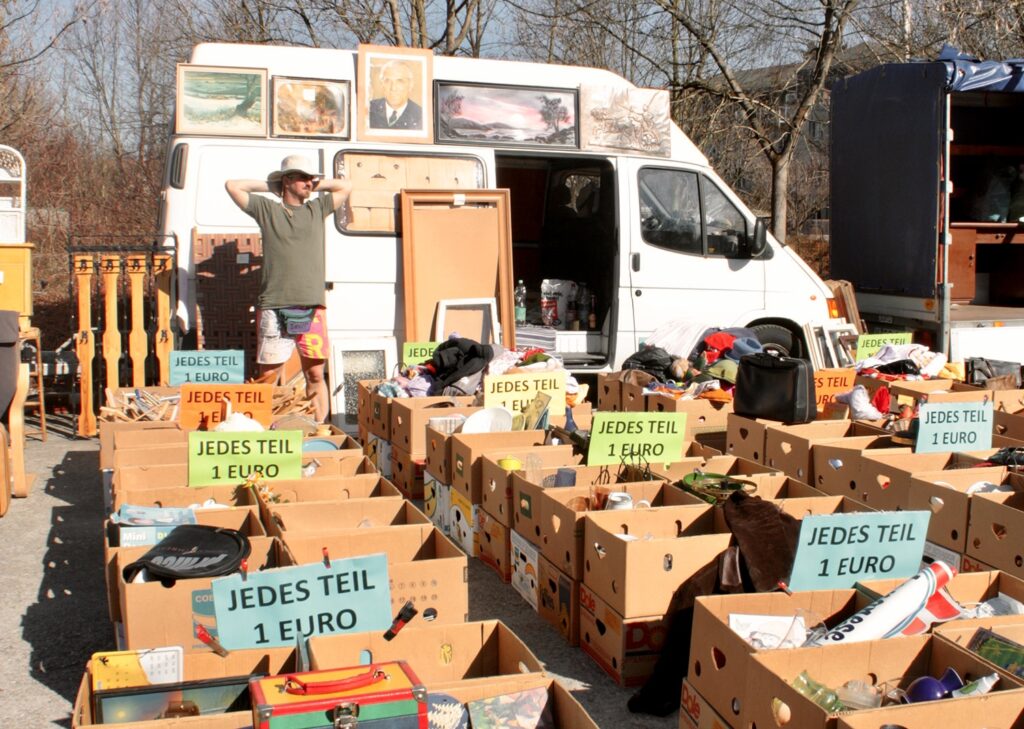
[{"x": 555, "y": 295}]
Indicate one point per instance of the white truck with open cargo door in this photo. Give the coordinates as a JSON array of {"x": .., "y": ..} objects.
[
  {"x": 927, "y": 196},
  {"x": 655, "y": 237}
]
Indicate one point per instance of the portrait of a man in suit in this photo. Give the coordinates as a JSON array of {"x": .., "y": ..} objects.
[{"x": 395, "y": 110}]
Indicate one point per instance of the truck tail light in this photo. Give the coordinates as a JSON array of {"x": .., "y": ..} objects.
[{"x": 833, "y": 308}]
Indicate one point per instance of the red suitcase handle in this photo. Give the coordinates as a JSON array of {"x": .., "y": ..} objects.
[{"x": 295, "y": 685}]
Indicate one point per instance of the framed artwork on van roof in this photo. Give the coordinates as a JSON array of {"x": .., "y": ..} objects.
[
  {"x": 309, "y": 107},
  {"x": 394, "y": 101},
  {"x": 517, "y": 116},
  {"x": 221, "y": 101}
]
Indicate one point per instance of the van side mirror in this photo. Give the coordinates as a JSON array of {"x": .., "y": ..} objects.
[{"x": 758, "y": 240}]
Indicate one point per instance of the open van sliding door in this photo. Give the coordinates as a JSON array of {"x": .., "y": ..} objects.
[{"x": 687, "y": 250}]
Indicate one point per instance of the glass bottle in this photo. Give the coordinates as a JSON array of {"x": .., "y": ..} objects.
[{"x": 520, "y": 301}]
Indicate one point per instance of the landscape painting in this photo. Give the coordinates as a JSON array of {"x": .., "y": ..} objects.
[
  {"x": 218, "y": 101},
  {"x": 506, "y": 115},
  {"x": 310, "y": 108},
  {"x": 626, "y": 120}
]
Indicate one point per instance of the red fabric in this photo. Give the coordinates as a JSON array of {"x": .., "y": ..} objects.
[
  {"x": 716, "y": 344},
  {"x": 882, "y": 400}
]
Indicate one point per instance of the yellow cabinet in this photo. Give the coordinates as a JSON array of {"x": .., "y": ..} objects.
[{"x": 16, "y": 278}]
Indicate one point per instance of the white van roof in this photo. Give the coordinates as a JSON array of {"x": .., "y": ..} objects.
[{"x": 340, "y": 64}]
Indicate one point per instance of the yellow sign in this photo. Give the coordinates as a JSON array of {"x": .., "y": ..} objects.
[
  {"x": 636, "y": 438},
  {"x": 203, "y": 404},
  {"x": 414, "y": 353},
  {"x": 516, "y": 392},
  {"x": 829, "y": 383},
  {"x": 230, "y": 458},
  {"x": 869, "y": 344}
]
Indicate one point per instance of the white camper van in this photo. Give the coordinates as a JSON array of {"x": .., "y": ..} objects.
[{"x": 640, "y": 217}]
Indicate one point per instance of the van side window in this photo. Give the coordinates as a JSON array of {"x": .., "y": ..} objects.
[
  {"x": 726, "y": 227},
  {"x": 670, "y": 210},
  {"x": 377, "y": 179}
]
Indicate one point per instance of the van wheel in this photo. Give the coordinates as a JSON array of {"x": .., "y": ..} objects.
[{"x": 779, "y": 340}]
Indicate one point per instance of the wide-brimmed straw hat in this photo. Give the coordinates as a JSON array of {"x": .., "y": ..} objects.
[{"x": 295, "y": 163}]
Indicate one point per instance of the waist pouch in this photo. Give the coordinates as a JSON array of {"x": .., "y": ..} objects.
[
  {"x": 193, "y": 550},
  {"x": 296, "y": 319}
]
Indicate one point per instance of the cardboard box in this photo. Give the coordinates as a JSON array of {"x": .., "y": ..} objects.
[
  {"x": 626, "y": 648},
  {"x": 324, "y": 489},
  {"x": 364, "y": 407},
  {"x": 495, "y": 545},
  {"x": 559, "y": 525},
  {"x": 969, "y": 564},
  {"x": 438, "y": 457},
  {"x": 243, "y": 518},
  {"x": 884, "y": 479},
  {"x": 378, "y": 451},
  {"x": 463, "y": 521},
  {"x": 836, "y": 463},
  {"x": 109, "y": 428},
  {"x": 525, "y": 569},
  {"x": 153, "y": 455},
  {"x": 702, "y": 416},
  {"x": 719, "y": 663},
  {"x": 788, "y": 447},
  {"x": 772, "y": 672},
  {"x": 437, "y": 654},
  {"x": 567, "y": 713},
  {"x": 198, "y": 667},
  {"x": 437, "y": 502},
  {"x": 1003, "y": 708},
  {"x": 154, "y": 615},
  {"x": 725, "y": 465},
  {"x": 407, "y": 473},
  {"x": 558, "y": 600},
  {"x": 409, "y": 418},
  {"x": 996, "y": 532},
  {"x": 182, "y": 496},
  {"x": 944, "y": 494},
  {"x": 527, "y": 511},
  {"x": 325, "y": 517},
  {"x": 960, "y": 633},
  {"x": 378, "y": 421},
  {"x": 469, "y": 448},
  {"x": 637, "y": 573},
  {"x": 696, "y": 713},
  {"x": 496, "y": 482},
  {"x": 745, "y": 437},
  {"x": 609, "y": 392},
  {"x": 633, "y": 399},
  {"x": 423, "y": 564},
  {"x": 912, "y": 392},
  {"x": 1009, "y": 425}
]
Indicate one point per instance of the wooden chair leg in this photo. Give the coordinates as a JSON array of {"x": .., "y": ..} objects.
[
  {"x": 5, "y": 472},
  {"x": 16, "y": 422}
]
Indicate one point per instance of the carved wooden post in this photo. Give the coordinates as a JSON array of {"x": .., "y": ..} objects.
[
  {"x": 164, "y": 340},
  {"x": 110, "y": 267},
  {"x": 85, "y": 344},
  {"x": 137, "y": 339}
]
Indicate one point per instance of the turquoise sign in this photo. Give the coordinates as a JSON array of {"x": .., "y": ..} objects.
[
  {"x": 207, "y": 367},
  {"x": 954, "y": 426},
  {"x": 275, "y": 607},
  {"x": 836, "y": 551}
]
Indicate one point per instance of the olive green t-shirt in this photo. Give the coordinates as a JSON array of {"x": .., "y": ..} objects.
[{"x": 293, "y": 272}]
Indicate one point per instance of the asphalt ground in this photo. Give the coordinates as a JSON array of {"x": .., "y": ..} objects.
[{"x": 54, "y": 606}]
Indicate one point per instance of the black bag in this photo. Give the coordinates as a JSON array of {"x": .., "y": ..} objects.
[
  {"x": 193, "y": 550},
  {"x": 775, "y": 388},
  {"x": 980, "y": 370}
]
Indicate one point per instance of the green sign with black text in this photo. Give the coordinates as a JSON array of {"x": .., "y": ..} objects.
[
  {"x": 636, "y": 438},
  {"x": 229, "y": 458}
]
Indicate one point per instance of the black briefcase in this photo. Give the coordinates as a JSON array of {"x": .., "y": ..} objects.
[
  {"x": 980, "y": 370},
  {"x": 775, "y": 388}
]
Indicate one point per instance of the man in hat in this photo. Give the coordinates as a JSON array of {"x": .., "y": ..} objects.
[{"x": 292, "y": 301}]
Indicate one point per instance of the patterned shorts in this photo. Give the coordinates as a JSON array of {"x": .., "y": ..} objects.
[{"x": 275, "y": 345}]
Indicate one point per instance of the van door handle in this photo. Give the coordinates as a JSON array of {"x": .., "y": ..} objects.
[{"x": 635, "y": 261}]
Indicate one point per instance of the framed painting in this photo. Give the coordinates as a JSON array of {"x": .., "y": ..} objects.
[
  {"x": 308, "y": 107},
  {"x": 625, "y": 120},
  {"x": 515, "y": 116},
  {"x": 842, "y": 339},
  {"x": 395, "y": 104},
  {"x": 220, "y": 101}
]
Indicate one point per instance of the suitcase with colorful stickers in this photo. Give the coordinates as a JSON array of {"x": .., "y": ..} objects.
[{"x": 377, "y": 695}]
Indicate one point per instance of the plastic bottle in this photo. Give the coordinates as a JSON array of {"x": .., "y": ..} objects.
[
  {"x": 572, "y": 319},
  {"x": 819, "y": 693},
  {"x": 520, "y": 299},
  {"x": 980, "y": 686},
  {"x": 592, "y": 316}
]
